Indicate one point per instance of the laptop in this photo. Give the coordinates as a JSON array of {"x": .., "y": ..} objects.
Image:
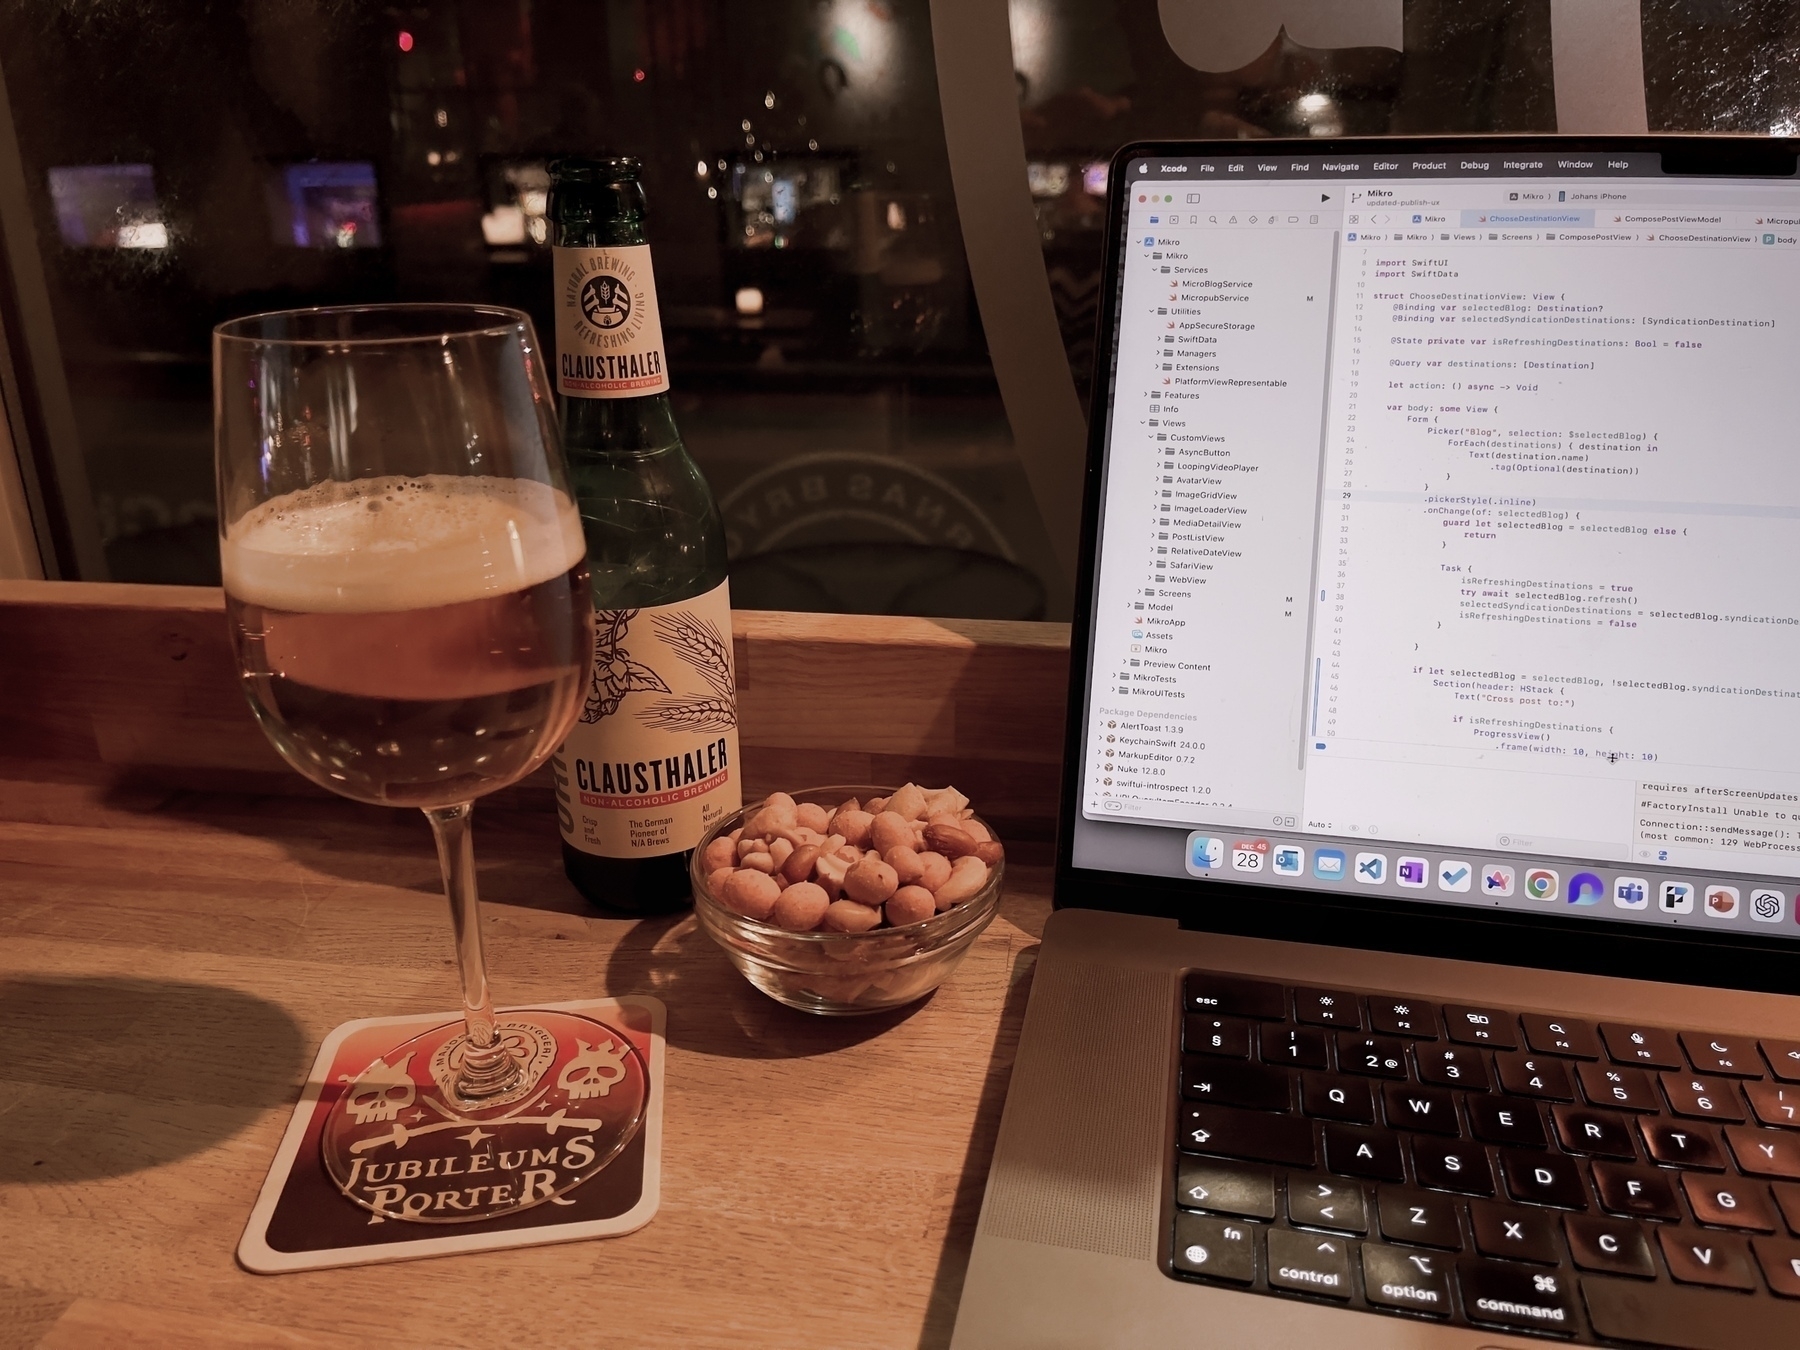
[{"x": 1425, "y": 959}]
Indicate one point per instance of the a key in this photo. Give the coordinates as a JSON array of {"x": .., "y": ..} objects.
[
  {"x": 1501, "y": 1294},
  {"x": 1618, "y": 1086},
  {"x": 1649, "y": 1047},
  {"x": 1354, "y": 1152},
  {"x": 1480, "y": 1026},
  {"x": 1410, "y": 1107},
  {"x": 1506, "y": 1120},
  {"x": 1372, "y": 1056},
  {"x": 1331, "y": 1096},
  {"x": 1253, "y": 1136},
  {"x": 1702, "y": 1098},
  {"x": 1765, "y": 1153},
  {"x": 1231, "y": 1083},
  {"x": 1225, "y": 1188},
  {"x": 1515, "y": 1233},
  {"x": 1297, "y": 1047},
  {"x": 1543, "y": 1179},
  {"x": 1561, "y": 1036},
  {"x": 1217, "y": 1248},
  {"x": 1680, "y": 1143},
  {"x": 1403, "y": 1017},
  {"x": 1697, "y": 1257},
  {"x": 1413, "y": 1280},
  {"x": 1226, "y": 1036},
  {"x": 1452, "y": 1066},
  {"x": 1728, "y": 1055},
  {"x": 1780, "y": 1262},
  {"x": 1783, "y": 1058},
  {"x": 1597, "y": 1133},
  {"x": 1530, "y": 1075},
  {"x": 1641, "y": 1191},
  {"x": 1203, "y": 991},
  {"x": 1615, "y": 1246},
  {"x": 1729, "y": 1202},
  {"x": 1775, "y": 1104},
  {"x": 1310, "y": 1262},
  {"x": 1327, "y": 1008},
  {"x": 1326, "y": 1202},
  {"x": 1446, "y": 1166},
  {"x": 1419, "y": 1217}
]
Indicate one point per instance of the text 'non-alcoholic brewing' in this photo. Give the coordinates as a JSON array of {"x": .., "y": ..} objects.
[{"x": 653, "y": 761}]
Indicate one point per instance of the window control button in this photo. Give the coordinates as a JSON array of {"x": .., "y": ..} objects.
[
  {"x": 1480, "y": 1026},
  {"x": 1681, "y": 1143},
  {"x": 1243, "y": 1190},
  {"x": 1642, "y": 1191},
  {"x": 1219, "y": 1248},
  {"x": 1313, "y": 1263},
  {"x": 1616, "y": 1246},
  {"x": 1697, "y": 1257},
  {"x": 1651, "y": 1047},
  {"x": 1423, "y": 1218},
  {"x": 1702, "y": 1098},
  {"x": 1543, "y": 1179},
  {"x": 1534, "y": 1076},
  {"x": 1729, "y": 1202},
  {"x": 1597, "y": 1133},
  {"x": 1517, "y": 1234},
  {"x": 1561, "y": 1036},
  {"x": 1399, "y": 1278},
  {"x": 1327, "y": 1202}
]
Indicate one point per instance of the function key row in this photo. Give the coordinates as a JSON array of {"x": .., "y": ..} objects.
[{"x": 1249, "y": 1000}]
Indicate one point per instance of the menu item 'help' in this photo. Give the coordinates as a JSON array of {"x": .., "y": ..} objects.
[{"x": 884, "y": 862}]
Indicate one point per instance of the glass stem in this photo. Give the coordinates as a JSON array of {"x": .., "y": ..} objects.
[{"x": 487, "y": 1069}]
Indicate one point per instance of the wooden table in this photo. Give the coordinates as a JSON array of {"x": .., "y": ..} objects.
[{"x": 181, "y": 921}]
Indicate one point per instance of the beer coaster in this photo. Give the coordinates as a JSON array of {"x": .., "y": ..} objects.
[{"x": 575, "y": 1153}]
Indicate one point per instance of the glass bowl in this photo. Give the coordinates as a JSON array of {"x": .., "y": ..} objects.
[{"x": 843, "y": 974}]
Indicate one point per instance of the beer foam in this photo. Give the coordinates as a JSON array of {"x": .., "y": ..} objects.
[{"x": 385, "y": 544}]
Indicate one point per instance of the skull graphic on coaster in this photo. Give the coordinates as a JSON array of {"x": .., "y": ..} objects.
[{"x": 399, "y": 1141}]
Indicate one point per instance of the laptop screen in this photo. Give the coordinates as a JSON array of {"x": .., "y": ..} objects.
[{"x": 1449, "y": 512}]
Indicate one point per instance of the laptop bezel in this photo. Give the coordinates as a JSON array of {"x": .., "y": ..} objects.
[{"x": 1548, "y": 941}]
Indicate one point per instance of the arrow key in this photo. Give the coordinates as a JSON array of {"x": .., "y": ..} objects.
[
  {"x": 1327, "y": 1202},
  {"x": 1248, "y": 1192},
  {"x": 1311, "y": 1263},
  {"x": 1413, "y": 1280}
]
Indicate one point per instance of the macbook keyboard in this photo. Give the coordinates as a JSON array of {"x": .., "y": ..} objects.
[{"x": 1607, "y": 1183}]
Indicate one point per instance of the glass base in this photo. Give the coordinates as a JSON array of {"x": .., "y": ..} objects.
[{"x": 400, "y": 1142}]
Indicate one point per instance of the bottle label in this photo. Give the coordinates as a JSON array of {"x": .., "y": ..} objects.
[
  {"x": 609, "y": 341},
  {"x": 653, "y": 762}
]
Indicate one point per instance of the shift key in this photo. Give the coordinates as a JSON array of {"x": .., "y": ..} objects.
[{"x": 1253, "y": 1135}]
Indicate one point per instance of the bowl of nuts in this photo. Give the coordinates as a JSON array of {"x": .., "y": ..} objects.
[{"x": 848, "y": 900}]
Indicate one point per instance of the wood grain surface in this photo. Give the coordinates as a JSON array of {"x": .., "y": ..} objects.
[{"x": 180, "y": 926}]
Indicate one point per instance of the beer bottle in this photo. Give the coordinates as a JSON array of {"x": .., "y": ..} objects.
[{"x": 653, "y": 762}]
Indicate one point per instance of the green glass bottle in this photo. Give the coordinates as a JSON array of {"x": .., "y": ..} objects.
[{"x": 653, "y": 762}]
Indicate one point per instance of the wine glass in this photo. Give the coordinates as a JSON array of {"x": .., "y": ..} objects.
[{"x": 407, "y": 591}]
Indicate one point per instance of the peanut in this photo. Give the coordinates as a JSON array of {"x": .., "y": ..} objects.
[
  {"x": 967, "y": 876},
  {"x": 936, "y": 870},
  {"x": 870, "y": 881},
  {"x": 800, "y": 907},
  {"x": 853, "y": 825},
  {"x": 722, "y": 852},
  {"x": 890, "y": 830},
  {"x": 905, "y": 863},
  {"x": 908, "y": 803},
  {"x": 910, "y": 904},
  {"x": 846, "y": 916},
  {"x": 811, "y": 816},
  {"x": 750, "y": 893},
  {"x": 799, "y": 864},
  {"x": 952, "y": 843}
]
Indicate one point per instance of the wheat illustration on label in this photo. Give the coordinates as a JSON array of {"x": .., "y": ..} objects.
[
  {"x": 615, "y": 673},
  {"x": 703, "y": 647}
]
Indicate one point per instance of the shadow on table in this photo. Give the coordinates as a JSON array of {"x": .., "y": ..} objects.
[
  {"x": 713, "y": 1010},
  {"x": 105, "y": 1075},
  {"x": 965, "y": 1209}
]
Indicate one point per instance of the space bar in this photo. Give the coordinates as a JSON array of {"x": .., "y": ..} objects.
[{"x": 1693, "y": 1319}]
